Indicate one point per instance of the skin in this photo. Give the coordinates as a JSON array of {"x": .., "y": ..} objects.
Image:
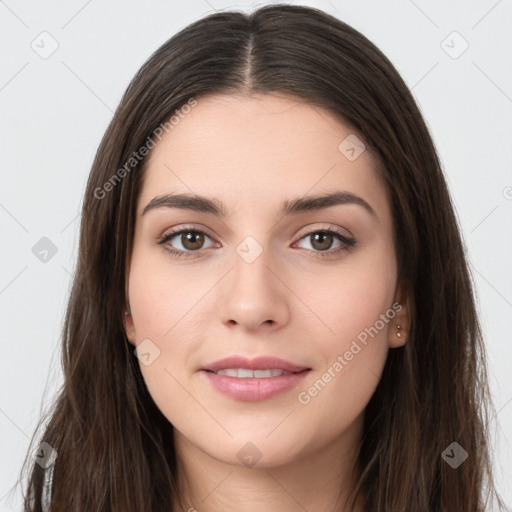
[{"x": 252, "y": 153}]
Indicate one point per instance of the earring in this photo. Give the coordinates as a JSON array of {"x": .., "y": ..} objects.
[{"x": 399, "y": 334}]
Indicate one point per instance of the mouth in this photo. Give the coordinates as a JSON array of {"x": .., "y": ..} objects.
[
  {"x": 245, "y": 373},
  {"x": 254, "y": 380},
  {"x": 242, "y": 367},
  {"x": 253, "y": 389}
]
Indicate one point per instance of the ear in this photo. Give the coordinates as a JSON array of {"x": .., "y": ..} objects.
[
  {"x": 399, "y": 326},
  {"x": 129, "y": 327}
]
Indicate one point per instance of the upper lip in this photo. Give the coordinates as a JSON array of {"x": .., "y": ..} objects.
[{"x": 258, "y": 363}]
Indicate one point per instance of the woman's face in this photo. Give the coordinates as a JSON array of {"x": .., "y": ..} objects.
[{"x": 260, "y": 282}]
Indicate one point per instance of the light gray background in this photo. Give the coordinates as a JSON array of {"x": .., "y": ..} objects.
[{"x": 55, "y": 110}]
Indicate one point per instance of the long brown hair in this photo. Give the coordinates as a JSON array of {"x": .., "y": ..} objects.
[{"x": 115, "y": 448}]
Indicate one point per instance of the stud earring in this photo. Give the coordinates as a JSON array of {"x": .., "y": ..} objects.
[{"x": 399, "y": 334}]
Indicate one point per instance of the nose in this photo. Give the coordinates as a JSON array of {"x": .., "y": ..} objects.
[{"x": 254, "y": 295}]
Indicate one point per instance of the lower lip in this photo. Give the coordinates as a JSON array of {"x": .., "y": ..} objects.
[{"x": 253, "y": 389}]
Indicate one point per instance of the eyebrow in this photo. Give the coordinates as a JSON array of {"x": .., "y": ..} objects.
[{"x": 289, "y": 207}]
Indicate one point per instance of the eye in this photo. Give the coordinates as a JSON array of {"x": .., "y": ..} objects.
[
  {"x": 322, "y": 241},
  {"x": 191, "y": 240}
]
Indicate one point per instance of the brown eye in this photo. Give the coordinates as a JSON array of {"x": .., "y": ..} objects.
[
  {"x": 192, "y": 240},
  {"x": 321, "y": 240},
  {"x": 184, "y": 242}
]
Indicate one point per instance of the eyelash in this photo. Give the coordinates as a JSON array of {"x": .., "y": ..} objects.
[{"x": 347, "y": 243}]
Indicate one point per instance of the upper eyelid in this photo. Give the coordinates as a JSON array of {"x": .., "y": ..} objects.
[{"x": 174, "y": 232}]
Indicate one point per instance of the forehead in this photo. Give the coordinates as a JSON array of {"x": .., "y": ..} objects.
[{"x": 251, "y": 150}]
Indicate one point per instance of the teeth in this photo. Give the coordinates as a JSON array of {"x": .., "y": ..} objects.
[{"x": 243, "y": 373}]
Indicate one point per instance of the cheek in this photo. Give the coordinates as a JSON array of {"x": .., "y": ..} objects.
[
  {"x": 353, "y": 355},
  {"x": 349, "y": 301},
  {"x": 158, "y": 293},
  {"x": 354, "y": 309},
  {"x": 160, "y": 298}
]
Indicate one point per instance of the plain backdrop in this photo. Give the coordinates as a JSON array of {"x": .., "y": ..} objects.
[{"x": 64, "y": 67}]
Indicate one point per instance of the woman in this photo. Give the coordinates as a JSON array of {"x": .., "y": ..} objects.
[{"x": 272, "y": 308}]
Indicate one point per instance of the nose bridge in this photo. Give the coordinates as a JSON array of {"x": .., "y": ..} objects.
[
  {"x": 252, "y": 261},
  {"x": 253, "y": 294},
  {"x": 254, "y": 240}
]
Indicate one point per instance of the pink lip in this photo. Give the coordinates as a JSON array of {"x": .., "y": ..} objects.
[
  {"x": 259, "y": 363},
  {"x": 254, "y": 389}
]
